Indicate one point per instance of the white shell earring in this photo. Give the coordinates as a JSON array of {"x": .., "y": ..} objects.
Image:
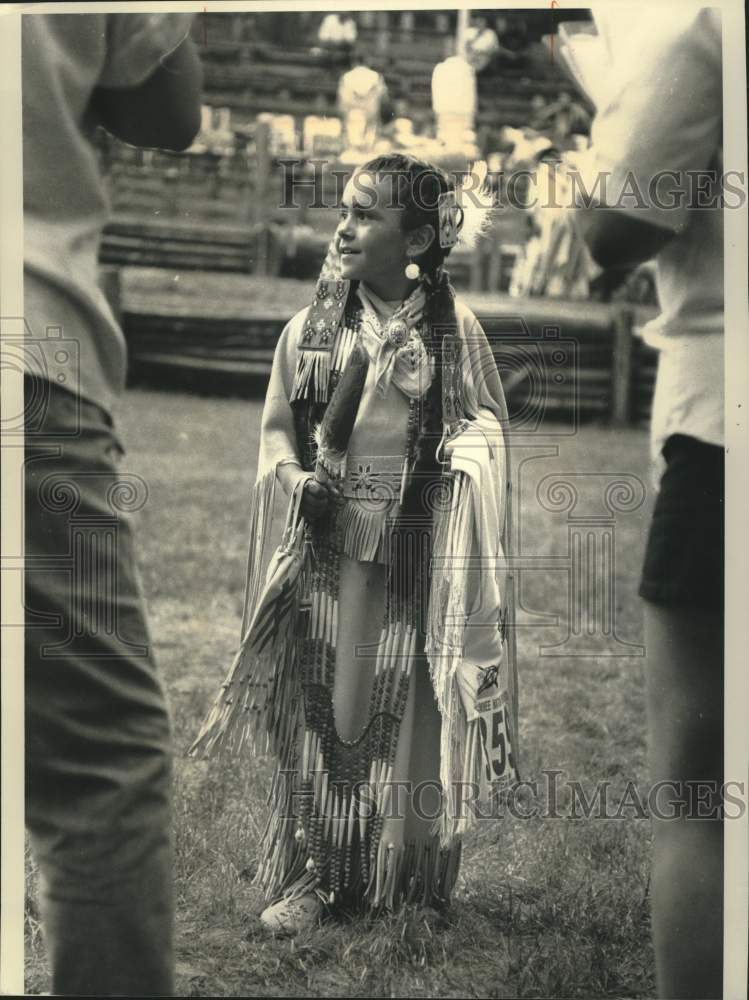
[{"x": 412, "y": 271}]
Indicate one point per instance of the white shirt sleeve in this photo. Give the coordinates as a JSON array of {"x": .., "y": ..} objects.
[
  {"x": 137, "y": 44},
  {"x": 662, "y": 112}
]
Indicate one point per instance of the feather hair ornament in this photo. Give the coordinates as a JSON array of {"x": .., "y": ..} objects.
[
  {"x": 477, "y": 205},
  {"x": 332, "y": 435}
]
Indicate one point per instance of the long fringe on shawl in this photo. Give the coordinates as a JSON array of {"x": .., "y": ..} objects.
[
  {"x": 256, "y": 705},
  {"x": 460, "y": 750},
  {"x": 463, "y": 757}
]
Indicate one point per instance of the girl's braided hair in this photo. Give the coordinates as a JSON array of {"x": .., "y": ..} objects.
[{"x": 418, "y": 185}]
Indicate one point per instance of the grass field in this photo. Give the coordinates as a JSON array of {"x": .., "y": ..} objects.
[{"x": 543, "y": 907}]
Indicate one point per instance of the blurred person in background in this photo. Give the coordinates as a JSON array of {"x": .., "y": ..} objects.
[
  {"x": 98, "y": 741},
  {"x": 555, "y": 262},
  {"x": 537, "y": 118},
  {"x": 455, "y": 101},
  {"x": 512, "y": 40},
  {"x": 662, "y": 111},
  {"x": 363, "y": 102},
  {"x": 564, "y": 118},
  {"x": 337, "y": 34},
  {"x": 481, "y": 43}
]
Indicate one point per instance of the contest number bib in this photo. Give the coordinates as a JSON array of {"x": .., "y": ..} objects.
[{"x": 495, "y": 738}]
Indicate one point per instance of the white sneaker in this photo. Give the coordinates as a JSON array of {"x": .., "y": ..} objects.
[{"x": 292, "y": 916}]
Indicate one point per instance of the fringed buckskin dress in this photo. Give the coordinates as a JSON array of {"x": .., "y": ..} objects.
[{"x": 390, "y": 717}]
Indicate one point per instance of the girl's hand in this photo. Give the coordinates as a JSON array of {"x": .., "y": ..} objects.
[
  {"x": 316, "y": 499},
  {"x": 464, "y": 427}
]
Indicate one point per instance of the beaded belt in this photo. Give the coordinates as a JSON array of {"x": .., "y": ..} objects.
[{"x": 373, "y": 479}]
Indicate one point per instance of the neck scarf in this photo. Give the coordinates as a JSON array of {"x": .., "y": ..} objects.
[{"x": 391, "y": 338}]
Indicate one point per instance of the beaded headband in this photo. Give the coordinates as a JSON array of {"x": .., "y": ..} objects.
[{"x": 450, "y": 219}]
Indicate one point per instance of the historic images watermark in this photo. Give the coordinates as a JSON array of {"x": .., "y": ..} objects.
[
  {"x": 50, "y": 360},
  {"x": 93, "y": 506},
  {"x": 316, "y": 183},
  {"x": 550, "y": 796},
  {"x": 81, "y": 506}
]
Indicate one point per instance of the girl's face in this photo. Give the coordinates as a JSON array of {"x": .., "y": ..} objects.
[{"x": 370, "y": 239}]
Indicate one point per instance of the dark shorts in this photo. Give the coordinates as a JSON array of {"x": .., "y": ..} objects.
[{"x": 684, "y": 558}]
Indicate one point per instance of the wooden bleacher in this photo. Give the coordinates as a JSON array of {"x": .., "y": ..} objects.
[
  {"x": 186, "y": 229},
  {"x": 250, "y": 75}
]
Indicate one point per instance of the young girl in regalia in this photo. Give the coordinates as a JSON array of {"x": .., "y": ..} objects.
[{"x": 380, "y": 673}]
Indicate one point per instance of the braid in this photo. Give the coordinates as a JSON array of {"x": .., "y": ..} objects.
[{"x": 422, "y": 490}]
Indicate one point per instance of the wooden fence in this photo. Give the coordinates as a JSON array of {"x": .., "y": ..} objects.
[
  {"x": 557, "y": 359},
  {"x": 252, "y": 76}
]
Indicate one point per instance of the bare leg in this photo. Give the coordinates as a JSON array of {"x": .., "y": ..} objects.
[{"x": 685, "y": 720}]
